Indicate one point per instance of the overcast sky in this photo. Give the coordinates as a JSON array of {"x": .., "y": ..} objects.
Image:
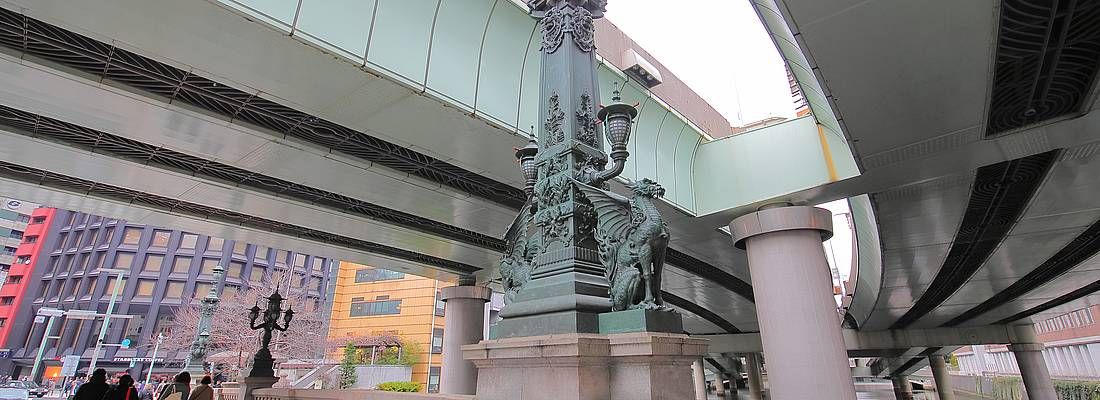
[{"x": 718, "y": 47}]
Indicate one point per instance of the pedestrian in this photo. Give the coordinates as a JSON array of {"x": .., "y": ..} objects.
[
  {"x": 178, "y": 390},
  {"x": 124, "y": 390},
  {"x": 203, "y": 391},
  {"x": 95, "y": 388}
]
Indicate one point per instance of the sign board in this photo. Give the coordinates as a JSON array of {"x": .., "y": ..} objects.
[
  {"x": 38, "y": 319},
  {"x": 69, "y": 365},
  {"x": 50, "y": 312},
  {"x": 80, "y": 314},
  {"x": 135, "y": 359},
  {"x": 125, "y": 343}
]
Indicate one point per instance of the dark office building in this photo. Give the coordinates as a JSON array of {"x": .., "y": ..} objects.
[{"x": 166, "y": 268}]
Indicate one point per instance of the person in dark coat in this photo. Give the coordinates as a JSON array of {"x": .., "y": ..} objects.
[
  {"x": 181, "y": 386},
  {"x": 95, "y": 388},
  {"x": 124, "y": 390}
]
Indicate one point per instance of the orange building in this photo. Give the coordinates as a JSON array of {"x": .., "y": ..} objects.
[{"x": 373, "y": 301}]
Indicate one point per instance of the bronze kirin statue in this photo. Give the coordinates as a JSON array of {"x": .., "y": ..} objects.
[{"x": 628, "y": 233}]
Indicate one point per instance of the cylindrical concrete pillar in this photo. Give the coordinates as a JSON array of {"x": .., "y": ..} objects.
[
  {"x": 719, "y": 386},
  {"x": 799, "y": 325},
  {"x": 943, "y": 380},
  {"x": 903, "y": 390},
  {"x": 756, "y": 380},
  {"x": 465, "y": 321},
  {"x": 1033, "y": 371},
  {"x": 700, "y": 379}
]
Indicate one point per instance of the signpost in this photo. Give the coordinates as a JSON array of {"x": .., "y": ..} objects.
[{"x": 43, "y": 313}]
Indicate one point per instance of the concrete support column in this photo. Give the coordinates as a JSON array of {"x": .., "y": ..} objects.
[
  {"x": 756, "y": 380},
  {"x": 700, "y": 379},
  {"x": 465, "y": 323},
  {"x": 719, "y": 387},
  {"x": 1033, "y": 369},
  {"x": 943, "y": 380},
  {"x": 799, "y": 325},
  {"x": 903, "y": 390}
]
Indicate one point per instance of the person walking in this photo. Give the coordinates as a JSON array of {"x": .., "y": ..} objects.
[
  {"x": 203, "y": 391},
  {"x": 95, "y": 388},
  {"x": 124, "y": 390},
  {"x": 178, "y": 390}
]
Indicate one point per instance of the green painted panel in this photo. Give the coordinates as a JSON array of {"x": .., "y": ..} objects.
[
  {"x": 529, "y": 89},
  {"x": 869, "y": 256},
  {"x": 4, "y": 232},
  {"x": 456, "y": 45},
  {"x": 665, "y": 154},
  {"x": 843, "y": 159},
  {"x": 502, "y": 58},
  {"x": 343, "y": 24},
  {"x": 400, "y": 39},
  {"x": 644, "y": 137},
  {"x": 775, "y": 161},
  {"x": 608, "y": 80},
  {"x": 276, "y": 12},
  {"x": 685, "y": 152}
]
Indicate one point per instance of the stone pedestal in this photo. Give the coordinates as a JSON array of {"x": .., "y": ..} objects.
[
  {"x": 248, "y": 384},
  {"x": 626, "y": 366},
  {"x": 465, "y": 324}
]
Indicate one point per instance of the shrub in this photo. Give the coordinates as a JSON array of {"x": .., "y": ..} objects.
[
  {"x": 347, "y": 367},
  {"x": 411, "y": 387}
]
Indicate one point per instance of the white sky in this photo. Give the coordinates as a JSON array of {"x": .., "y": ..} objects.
[{"x": 718, "y": 47}]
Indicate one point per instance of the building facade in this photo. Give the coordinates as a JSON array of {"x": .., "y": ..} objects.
[
  {"x": 1072, "y": 342},
  {"x": 18, "y": 273},
  {"x": 375, "y": 301},
  {"x": 15, "y": 215},
  {"x": 164, "y": 269}
]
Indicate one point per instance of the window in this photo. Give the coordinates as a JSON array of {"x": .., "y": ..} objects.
[
  {"x": 110, "y": 289},
  {"x": 317, "y": 284},
  {"x": 300, "y": 260},
  {"x": 105, "y": 236},
  {"x": 74, "y": 240},
  {"x": 368, "y": 308},
  {"x": 181, "y": 265},
  {"x": 133, "y": 327},
  {"x": 14, "y": 280},
  {"x": 70, "y": 290},
  {"x": 3, "y": 322},
  {"x": 131, "y": 236},
  {"x": 202, "y": 289},
  {"x": 7, "y": 300},
  {"x": 160, "y": 239},
  {"x": 240, "y": 248},
  {"x": 256, "y": 274},
  {"x": 188, "y": 241},
  {"x": 14, "y": 234},
  {"x": 124, "y": 260},
  {"x": 145, "y": 287},
  {"x": 9, "y": 251},
  {"x": 174, "y": 290},
  {"x": 318, "y": 263},
  {"x": 61, "y": 241},
  {"x": 280, "y": 258},
  {"x": 81, "y": 264},
  {"x": 30, "y": 239},
  {"x": 215, "y": 245},
  {"x": 77, "y": 219},
  {"x": 235, "y": 269},
  {"x": 24, "y": 218},
  {"x": 208, "y": 265},
  {"x": 99, "y": 257},
  {"x": 440, "y": 305},
  {"x": 38, "y": 220},
  {"x": 153, "y": 263},
  {"x": 437, "y": 340},
  {"x": 261, "y": 254},
  {"x": 72, "y": 219},
  {"x": 433, "y": 379},
  {"x": 376, "y": 274},
  {"x": 90, "y": 288},
  {"x": 25, "y": 260}
]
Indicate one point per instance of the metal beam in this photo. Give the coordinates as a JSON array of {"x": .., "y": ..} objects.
[{"x": 886, "y": 342}]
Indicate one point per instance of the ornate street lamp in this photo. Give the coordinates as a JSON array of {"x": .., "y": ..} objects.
[
  {"x": 526, "y": 158},
  {"x": 263, "y": 364},
  {"x": 617, "y": 119},
  {"x": 196, "y": 358}
]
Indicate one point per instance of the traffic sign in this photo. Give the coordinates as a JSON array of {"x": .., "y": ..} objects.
[{"x": 69, "y": 365}]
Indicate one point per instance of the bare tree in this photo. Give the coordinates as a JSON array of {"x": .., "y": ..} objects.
[{"x": 232, "y": 343}]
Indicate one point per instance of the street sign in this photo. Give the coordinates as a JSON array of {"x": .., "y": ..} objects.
[
  {"x": 69, "y": 365},
  {"x": 125, "y": 343},
  {"x": 50, "y": 312},
  {"x": 38, "y": 319},
  {"x": 80, "y": 314}
]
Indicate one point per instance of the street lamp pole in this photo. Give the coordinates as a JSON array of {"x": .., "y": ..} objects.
[
  {"x": 119, "y": 282},
  {"x": 153, "y": 359},
  {"x": 52, "y": 314},
  {"x": 196, "y": 358}
]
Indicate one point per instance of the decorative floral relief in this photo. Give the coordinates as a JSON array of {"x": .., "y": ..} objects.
[
  {"x": 554, "y": 118},
  {"x": 559, "y": 20},
  {"x": 586, "y": 124}
]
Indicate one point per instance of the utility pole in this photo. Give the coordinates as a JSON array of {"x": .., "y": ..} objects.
[
  {"x": 153, "y": 359},
  {"x": 120, "y": 281},
  {"x": 52, "y": 314}
]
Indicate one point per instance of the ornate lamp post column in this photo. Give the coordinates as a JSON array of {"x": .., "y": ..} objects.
[
  {"x": 263, "y": 365},
  {"x": 209, "y": 304}
]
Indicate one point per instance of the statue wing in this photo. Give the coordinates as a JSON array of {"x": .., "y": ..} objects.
[{"x": 612, "y": 211}]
